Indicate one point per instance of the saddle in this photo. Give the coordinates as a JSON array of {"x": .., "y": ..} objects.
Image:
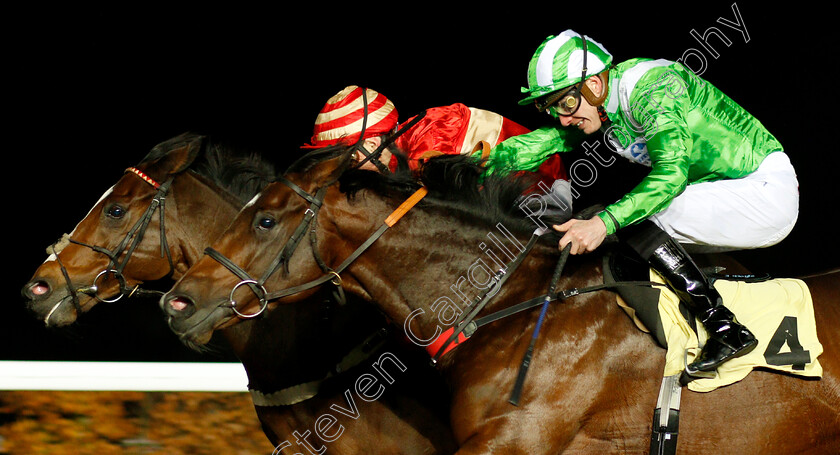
[
  {"x": 778, "y": 311},
  {"x": 641, "y": 303}
]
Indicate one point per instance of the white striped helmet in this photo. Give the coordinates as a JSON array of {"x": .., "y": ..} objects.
[{"x": 558, "y": 63}]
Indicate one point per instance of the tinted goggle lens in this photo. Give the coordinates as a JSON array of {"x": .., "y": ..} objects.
[{"x": 563, "y": 103}]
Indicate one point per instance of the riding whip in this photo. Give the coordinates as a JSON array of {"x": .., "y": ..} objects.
[{"x": 526, "y": 359}]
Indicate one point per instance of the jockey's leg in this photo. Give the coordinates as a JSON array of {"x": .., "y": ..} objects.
[
  {"x": 727, "y": 337},
  {"x": 755, "y": 211}
]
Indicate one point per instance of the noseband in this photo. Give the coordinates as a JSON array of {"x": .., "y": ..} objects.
[
  {"x": 258, "y": 286},
  {"x": 330, "y": 274},
  {"x": 128, "y": 245}
]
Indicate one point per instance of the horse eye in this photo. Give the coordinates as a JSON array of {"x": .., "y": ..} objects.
[
  {"x": 115, "y": 211},
  {"x": 266, "y": 222}
]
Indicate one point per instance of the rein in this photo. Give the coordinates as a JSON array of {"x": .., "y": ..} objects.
[
  {"x": 464, "y": 327},
  {"x": 374, "y": 156},
  {"x": 127, "y": 245},
  {"x": 467, "y": 325}
]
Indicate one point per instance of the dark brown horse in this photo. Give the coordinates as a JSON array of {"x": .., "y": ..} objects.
[
  {"x": 594, "y": 378},
  {"x": 285, "y": 355}
]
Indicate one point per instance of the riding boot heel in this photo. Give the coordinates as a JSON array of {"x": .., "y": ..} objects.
[{"x": 728, "y": 339}]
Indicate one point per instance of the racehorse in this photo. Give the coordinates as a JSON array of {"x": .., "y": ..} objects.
[
  {"x": 293, "y": 374},
  {"x": 427, "y": 255}
]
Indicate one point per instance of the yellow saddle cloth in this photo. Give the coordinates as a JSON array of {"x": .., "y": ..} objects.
[{"x": 779, "y": 312}]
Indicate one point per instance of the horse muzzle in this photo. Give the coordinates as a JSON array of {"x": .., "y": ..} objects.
[
  {"x": 52, "y": 305},
  {"x": 193, "y": 324}
]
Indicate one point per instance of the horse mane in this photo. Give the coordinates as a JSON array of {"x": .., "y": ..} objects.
[
  {"x": 243, "y": 173},
  {"x": 455, "y": 183}
]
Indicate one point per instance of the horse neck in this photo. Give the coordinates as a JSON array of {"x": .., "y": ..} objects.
[
  {"x": 300, "y": 342},
  {"x": 435, "y": 258}
]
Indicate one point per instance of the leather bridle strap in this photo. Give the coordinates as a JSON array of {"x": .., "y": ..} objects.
[
  {"x": 374, "y": 155},
  {"x": 293, "y": 242},
  {"x": 132, "y": 239},
  {"x": 333, "y": 274},
  {"x": 139, "y": 229},
  {"x": 389, "y": 222},
  {"x": 257, "y": 286}
]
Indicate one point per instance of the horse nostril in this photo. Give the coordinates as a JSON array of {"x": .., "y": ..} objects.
[
  {"x": 178, "y": 305},
  {"x": 38, "y": 289}
]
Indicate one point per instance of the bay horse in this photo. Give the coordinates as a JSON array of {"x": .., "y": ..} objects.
[
  {"x": 594, "y": 377},
  {"x": 292, "y": 372}
]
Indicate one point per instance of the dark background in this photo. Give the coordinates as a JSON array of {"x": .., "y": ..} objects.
[{"x": 89, "y": 92}]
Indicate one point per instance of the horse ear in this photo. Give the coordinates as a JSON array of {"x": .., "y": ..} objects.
[
  {"x": 174, "y": 155},
  {"x": 328, "y": 171}
]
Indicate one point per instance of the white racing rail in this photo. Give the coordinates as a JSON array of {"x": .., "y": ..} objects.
[{"x": 111, "y": 376}]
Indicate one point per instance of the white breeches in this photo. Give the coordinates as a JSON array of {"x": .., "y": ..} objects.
[{"x": 756, "y": 211}]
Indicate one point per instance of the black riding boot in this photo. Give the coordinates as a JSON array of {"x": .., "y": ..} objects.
[{"x": 727, "y": 338}]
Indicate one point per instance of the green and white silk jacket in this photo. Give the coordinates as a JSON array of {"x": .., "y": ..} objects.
[{"x": 662, "y": 116}]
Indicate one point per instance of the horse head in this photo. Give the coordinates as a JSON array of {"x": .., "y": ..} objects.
[
  {"x": 262, "y": 241},
  {"x": 91, "y": 264},
  {"x": 264, "y": 258}
]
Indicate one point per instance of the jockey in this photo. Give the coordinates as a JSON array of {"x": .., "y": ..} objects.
[
  {"x": 718, "y": 179},
  {"x": 449, "y": 130}
]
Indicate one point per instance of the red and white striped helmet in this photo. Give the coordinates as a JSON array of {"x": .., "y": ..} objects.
[{"x": 340, "y": 120}]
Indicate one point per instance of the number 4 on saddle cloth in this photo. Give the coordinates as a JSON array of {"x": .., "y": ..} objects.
[{"x": 778, "y": 311}]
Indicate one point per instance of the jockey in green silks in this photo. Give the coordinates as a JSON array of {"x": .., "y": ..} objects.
[{"x": 718, "y": 179}]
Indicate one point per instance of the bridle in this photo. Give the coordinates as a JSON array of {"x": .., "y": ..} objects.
[
  {"x": 330, "y": 274},
  {"x": 129, "y": 243},
  {"x": 315, "y": 202}
]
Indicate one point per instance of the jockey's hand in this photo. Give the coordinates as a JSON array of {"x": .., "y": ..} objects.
[{"x": 584, "y": 235}]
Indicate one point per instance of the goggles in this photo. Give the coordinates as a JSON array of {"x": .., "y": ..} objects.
[{"x": 563, "y": 103}]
